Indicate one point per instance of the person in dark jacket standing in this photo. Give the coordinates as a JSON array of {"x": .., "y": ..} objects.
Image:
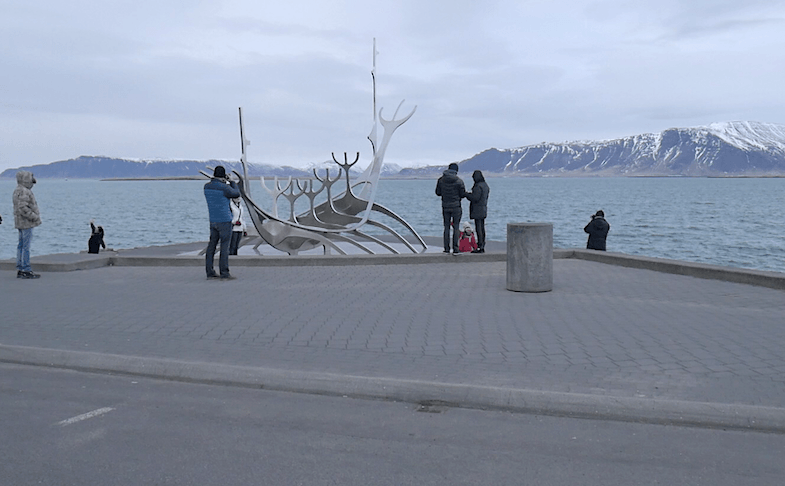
[
  {"x": 451, "y": 189},
  {"x": 598, "y": 230},
  {"x": 218, "y": 192},
  {"x": 478, "y": 207},
  {"x": 96, "y": 240}
]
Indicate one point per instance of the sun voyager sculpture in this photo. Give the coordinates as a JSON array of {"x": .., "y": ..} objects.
[{"x": 340, "y": 221}]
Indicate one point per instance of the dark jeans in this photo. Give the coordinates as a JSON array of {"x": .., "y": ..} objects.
[
  {"x": 479, "y": 227},
  {"x": 222, "y": 232},
  {"x": 452, "y": 217},
  {"x": 235, "y": 243}
]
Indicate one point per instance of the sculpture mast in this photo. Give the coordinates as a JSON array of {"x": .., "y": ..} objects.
[
  {"x": 372, "y": 136},
  {"x": 244, "y": 142}
]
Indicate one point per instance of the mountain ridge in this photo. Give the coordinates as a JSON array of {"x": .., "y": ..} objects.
[
  {"x": 103, "y": 167},
  {"x": 722, "y": 149},
  {"x": 725, "y": 149}
]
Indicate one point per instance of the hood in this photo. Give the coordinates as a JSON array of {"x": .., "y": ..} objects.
[
  {"x": 450, "y": 173},
  {"x": 24, "y": 178}
]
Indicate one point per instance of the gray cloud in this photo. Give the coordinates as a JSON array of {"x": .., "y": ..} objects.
[{"x": 164, "y": 79}]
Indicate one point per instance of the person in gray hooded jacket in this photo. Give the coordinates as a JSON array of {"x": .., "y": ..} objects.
[
  {"x": 26, "y": 217},
  {"x": 451, "y": 189}
]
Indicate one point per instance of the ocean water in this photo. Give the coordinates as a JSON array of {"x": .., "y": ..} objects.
[{"x": 730, "y": 222}]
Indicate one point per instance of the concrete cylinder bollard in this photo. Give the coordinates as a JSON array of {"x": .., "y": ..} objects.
[{"x": 530, "y": 257}]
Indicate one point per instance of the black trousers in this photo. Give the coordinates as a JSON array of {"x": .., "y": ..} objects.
[
  {"x": 452, "y": 217},
  {"x": 479, "y": 227},
  {"x": 234, "y": 243}
]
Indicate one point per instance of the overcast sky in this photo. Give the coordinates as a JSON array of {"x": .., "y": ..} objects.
[{"x": 163, "y": 78}]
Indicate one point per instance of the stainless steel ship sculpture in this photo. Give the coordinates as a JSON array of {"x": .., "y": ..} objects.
[{"x": 339, "y": 222}]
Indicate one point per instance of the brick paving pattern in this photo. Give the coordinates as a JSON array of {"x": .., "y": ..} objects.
[{"x": 603, "y": 330}]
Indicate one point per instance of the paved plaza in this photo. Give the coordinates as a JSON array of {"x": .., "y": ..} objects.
[{"x": 604, "y": 333}]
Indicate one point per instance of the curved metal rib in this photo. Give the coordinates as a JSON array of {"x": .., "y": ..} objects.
[
  {"x": 281, "y": 234},
  {"x": 275, "y": 192},
  {"x": 391, "y": 214}
]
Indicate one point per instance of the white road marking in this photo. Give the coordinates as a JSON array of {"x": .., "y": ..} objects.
[{"x": 85, "y": 416}]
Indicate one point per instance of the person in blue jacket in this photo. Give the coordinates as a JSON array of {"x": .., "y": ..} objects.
[{"x": 218, "y": 192}]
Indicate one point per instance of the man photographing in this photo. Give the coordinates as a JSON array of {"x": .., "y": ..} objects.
[
  {"x": 598, "y": 230},
  {"x": 218, "y": 192}
]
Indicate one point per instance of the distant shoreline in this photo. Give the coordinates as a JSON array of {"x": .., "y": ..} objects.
[
  {"x": 489, "y": 175},
  {"x": 172, "y": 178}
]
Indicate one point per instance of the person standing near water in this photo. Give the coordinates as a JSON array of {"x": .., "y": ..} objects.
[
  {"x": 96, "y": 241},
  {"x": 478, "y": 207},
  {"x": 218, "y": 193},
  {"x": 598, "y": 230},
  {"x": 238, "y": 225},
  {"x": 451, "y": 189},
  {"x": 26, "y": 217}
]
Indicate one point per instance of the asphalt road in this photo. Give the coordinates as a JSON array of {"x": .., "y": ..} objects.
[{"x": 66, "y": 428}]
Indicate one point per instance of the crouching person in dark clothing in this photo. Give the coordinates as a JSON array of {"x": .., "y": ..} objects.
[
  {"x": 598, "y": 231},
  {"x": 451, "y": 189}
]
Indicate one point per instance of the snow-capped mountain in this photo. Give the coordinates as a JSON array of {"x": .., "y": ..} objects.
[
  {"x": 387, "y": 169},
  {"x": 332, "y": 167},
  {"x": 719, "y": 149},
  {"x": 391, "y": 169}
]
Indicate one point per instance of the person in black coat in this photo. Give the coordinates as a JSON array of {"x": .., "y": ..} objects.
[
  {"x": 451, "y": 189},
  {"x": 478, "y": 207},
  {"x": 598, "y": 230},
  {"x": 96, "y": 239}
]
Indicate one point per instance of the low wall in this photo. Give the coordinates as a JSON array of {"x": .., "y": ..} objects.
[
  {"x": 773, "y": 280},
  {"x": 66, "y": 262}
]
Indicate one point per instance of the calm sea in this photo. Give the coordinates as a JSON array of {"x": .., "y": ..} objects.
[{"x": 731, "y": 222}]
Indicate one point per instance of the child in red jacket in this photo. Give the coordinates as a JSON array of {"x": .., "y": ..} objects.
[{"x": 467, "y": 242}]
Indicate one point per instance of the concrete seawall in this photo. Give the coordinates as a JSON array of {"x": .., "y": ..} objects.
[{"x": 172, "y": 256}]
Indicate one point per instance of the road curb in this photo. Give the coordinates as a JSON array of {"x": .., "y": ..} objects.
[{"x": 653, "y": 411}]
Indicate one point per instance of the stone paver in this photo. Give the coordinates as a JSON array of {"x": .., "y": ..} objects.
[{"x": 603, "y": 330}]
